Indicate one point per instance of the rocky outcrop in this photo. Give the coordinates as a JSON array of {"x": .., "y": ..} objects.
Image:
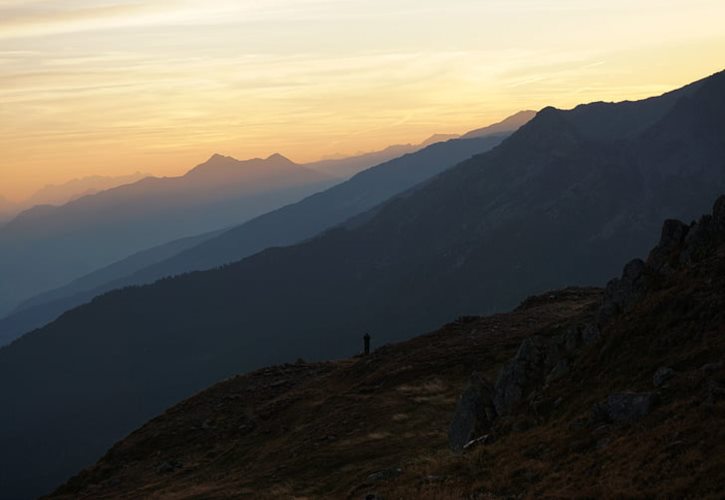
[
  {"x": 622, "y": 293},
  {"x": 718, "y": 214},
  {"x": 539, "y": 361},
  {"x": 662, "y": 376},
  {"x": 624, "y": 407},
  {"x": 679, "y": 245},
  {"x": 518, "y": 376},
  {"x": 662, "y": 258},
  {"x": 475, "y": 414}
]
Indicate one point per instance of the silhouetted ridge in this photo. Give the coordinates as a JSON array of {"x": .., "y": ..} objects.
[
  {"x": 45, "y": 248},
  {"x": 285, "y": 226}
]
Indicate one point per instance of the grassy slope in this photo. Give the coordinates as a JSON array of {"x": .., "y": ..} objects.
[
  {"x": 321, "y": 429},
  {"x": 379, "y": 423}
]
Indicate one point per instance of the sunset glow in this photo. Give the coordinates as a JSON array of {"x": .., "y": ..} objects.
[{"x": 116, "y": 86}]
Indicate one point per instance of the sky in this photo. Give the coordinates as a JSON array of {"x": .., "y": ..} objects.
[{"x": 110, "y": 87}]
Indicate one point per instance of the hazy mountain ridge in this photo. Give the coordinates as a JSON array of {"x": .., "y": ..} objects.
[
  {"x": 46, "y": 246},
  {"x": 59, "y": 194},
  {"x": 550, "y": 205},
  {"x": 348, "y": 166},
  {"x": 514, "y": 122},
  {"x": 284, "y": 226}
]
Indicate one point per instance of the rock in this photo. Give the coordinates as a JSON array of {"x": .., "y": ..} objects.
[
  {"x": 560, "y": 370},
  {"x": 718, "y": 214},
  {"x": 622, "y": 293},
  {"x": 373, "y": 496},
  {"x": 662, "y": 375},
  {"x": 539, "y": 361},
  {"x": 673, "y": 235},
  {"x": 519, "y": 375},
  {"x": 474, "y": 415},
  {"x": 700, "y": 241},
  {"x": 624, "y": 407},
  {"x": 168, "y": 467}
]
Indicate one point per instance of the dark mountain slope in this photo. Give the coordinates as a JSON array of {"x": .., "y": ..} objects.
[
  {"x": 285, "y": 226},
  {"x": 48, "y": 246},
  {"x": 47, "y": 306},
  {"x": 548, "y": 207},
  {"x": 349, "y": 166},
  {"x": 621, "y": 394}
]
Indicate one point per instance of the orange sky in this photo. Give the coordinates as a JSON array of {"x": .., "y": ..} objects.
[{"x": 115, "y": 86}]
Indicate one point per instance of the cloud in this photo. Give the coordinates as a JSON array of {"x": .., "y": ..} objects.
[{"x": 21, "y": 19}]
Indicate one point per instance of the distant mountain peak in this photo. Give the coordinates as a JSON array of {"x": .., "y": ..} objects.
[
  {"x": 439, "y": 138},
  {"x": 508, "y": 124},
  {"x": 216, "y": 157},
  {"x": 279, "y": 159}
]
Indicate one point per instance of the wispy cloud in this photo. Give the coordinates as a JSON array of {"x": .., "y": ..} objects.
[
  {"x": 42, "y": 18},
  {"x": 126, "y": 85}
]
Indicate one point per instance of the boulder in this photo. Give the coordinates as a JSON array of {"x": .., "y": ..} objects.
[
  {"x": 539, "y": 361},
  {"x": 474, "y": 415},
  {"x": 662, "y": 376},
  {"x": 624, "y": 407},
  {"x": 524, "y": 372}
]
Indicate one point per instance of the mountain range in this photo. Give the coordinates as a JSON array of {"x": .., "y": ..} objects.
[
  {"x": 47, "y": 246},
  {"x": 284, "y": 226},
  {"x": 59, "y": 194},
  {"x": 563, "y": 201}
]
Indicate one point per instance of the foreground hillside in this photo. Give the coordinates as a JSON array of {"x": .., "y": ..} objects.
[
  {"x": 320, "y": 428},
  {"x": 613, "y": 394}
]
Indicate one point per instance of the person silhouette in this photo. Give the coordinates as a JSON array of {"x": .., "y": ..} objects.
[{"x": 366, "y": 341}]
